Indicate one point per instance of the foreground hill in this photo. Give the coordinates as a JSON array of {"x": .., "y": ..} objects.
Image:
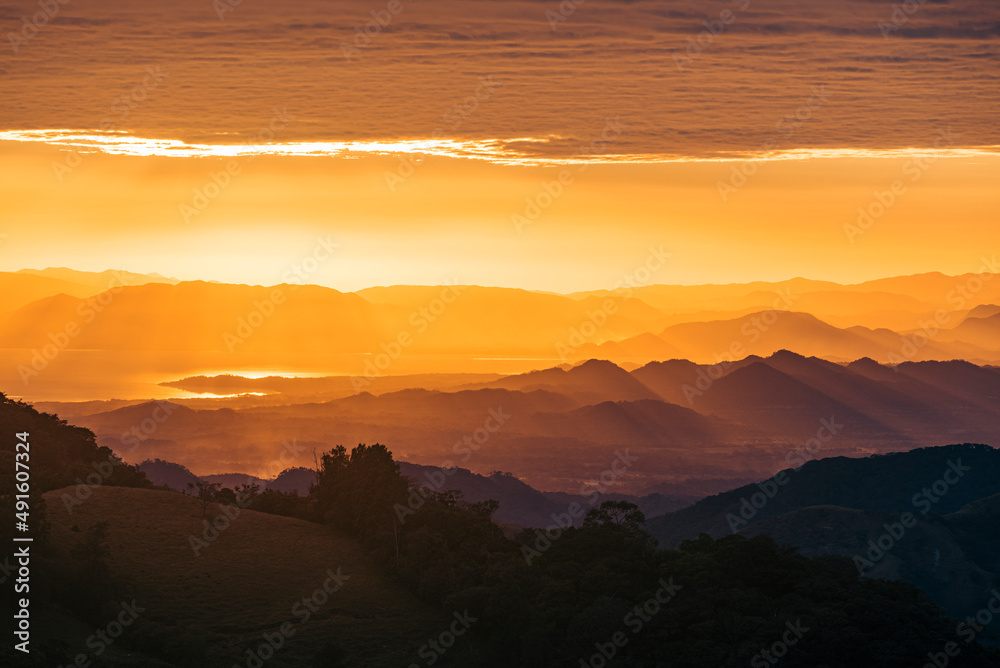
[
  {"x": 943, "y": 555},
  {"x": 210, "y": 595},
  {"x": 879, "y": 483},
  {"x": 243, "y": 584},
  {"x": 846, "y": 507}
]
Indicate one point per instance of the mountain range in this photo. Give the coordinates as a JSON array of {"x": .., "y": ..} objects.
[
  {"x": 558, "y": 428},
  {"x": 920, "y": 317}
]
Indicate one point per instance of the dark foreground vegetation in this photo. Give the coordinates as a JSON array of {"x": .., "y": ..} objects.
[{"x": 599, "y": 595}]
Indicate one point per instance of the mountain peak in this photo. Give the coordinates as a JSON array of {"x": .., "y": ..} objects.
[
  {"x": 603, "y": 366},
  {"x": 785, "y": 354}
]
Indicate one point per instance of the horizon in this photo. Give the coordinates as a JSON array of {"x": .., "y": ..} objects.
[{"x": 985, "y": 263}]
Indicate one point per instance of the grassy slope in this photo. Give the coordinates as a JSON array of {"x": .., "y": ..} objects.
[{"x": 246, "y": 582}]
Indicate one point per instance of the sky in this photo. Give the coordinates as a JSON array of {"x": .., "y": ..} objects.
[{"x": 519, "y": 143}]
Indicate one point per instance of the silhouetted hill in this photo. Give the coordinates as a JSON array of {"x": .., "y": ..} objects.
[
  {"x": 230, "y": 480},
  {"x": 566, "y": 423},
  {"x": 525, "y": 506},
  {"x": 972, "y": 383},
  {"x": 880, "y": 401},
  {"x": 297, "y": 480},
  {"x": 668, "y": 378},
  {"x": 519, "y": 503},
  {"x": 984, "y": 311},
  {"x": 59, "y": 454},
  {"x": 774, "y": 403},
  {"x": 433, "y": 404},
  {"x": 928, "y": 554},
  {"x": 149, "y": 411},
  {"x": 175, "y": 476},
  {"x": 977, "y": 529},
  {"x": 880, "y": 483},
  {"x": 644, "y": 420},
  {"x": 954, "y": 557},
  {"x": 906, "y": 379},
  {"x": 590, "y": 382},
  {"x": 845, "y": 507},
  {"x": 917, "y": 402},
  {"x": 209, "y": 607}
]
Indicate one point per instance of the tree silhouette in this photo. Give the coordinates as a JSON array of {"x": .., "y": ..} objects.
[
  {"x": 207, "y": 493},
  {"x": 618, "y": 514}
]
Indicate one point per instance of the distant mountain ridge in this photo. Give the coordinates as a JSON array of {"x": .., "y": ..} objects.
[
  {"x": 817, "y": 318},
  {"x": 684, "y": 420},
  {"x": 100, "y": 279},
  {"x": 178, "y": 478}
]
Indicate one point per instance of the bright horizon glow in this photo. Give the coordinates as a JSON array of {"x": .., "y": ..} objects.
[
  {"x": 461, "y": 219},
  {"x": 496, "y": 151}
]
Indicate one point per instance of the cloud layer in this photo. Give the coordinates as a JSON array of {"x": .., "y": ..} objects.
[{"x": 777, "y": 75}]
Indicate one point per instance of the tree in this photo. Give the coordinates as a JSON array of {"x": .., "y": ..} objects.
[
  {"x": 226, "y": 496},
  {"x": 357, "y": 492},
  {"x": 207, "y": 493},
  {"x": 247, "y": 493},
  {"x": 618, "y": 514},
  {"x": 484, "y": 508}
]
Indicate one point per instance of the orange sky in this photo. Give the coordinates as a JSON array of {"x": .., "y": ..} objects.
[
  {"x": 468, "y": 220},
  {"x": 496, "y": 94}
]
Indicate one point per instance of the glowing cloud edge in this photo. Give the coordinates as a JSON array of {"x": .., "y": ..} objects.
[{"x": 497, "y": 151}]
